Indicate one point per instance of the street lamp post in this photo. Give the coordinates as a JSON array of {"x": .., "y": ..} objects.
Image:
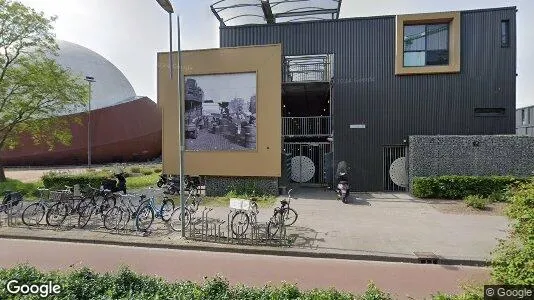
[
  {"x": 90, "y": 80},
  {"x": 167, "y": 6}
]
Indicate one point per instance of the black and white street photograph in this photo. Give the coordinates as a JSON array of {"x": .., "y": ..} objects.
[{"x": 220, "y": 112}]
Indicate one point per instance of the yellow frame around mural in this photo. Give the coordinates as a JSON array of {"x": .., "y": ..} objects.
[{"x": 263, "y": 60}]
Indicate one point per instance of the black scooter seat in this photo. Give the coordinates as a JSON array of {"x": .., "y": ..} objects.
[{"x": 343, "y": 182}]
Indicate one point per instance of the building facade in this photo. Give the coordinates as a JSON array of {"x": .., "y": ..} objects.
[
  {"x": 359, "y": 87},
  {"x": 525, "y": 121}
]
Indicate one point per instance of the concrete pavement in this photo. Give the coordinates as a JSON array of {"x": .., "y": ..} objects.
[{"x": 402, "y": 280}]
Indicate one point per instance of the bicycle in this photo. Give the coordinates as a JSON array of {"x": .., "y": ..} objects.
[
  {"x": 284, "y": 213},
  {"x": 192, "y": 202},
  {"x": 34, "y": 213},
  {"x": 102, "y": 200},
  {"x": 119, "y": 215},
  {"x": 12, "y": 203},
  {"x": 242, "y": 218},
  {"x": 67, "y": 203},
  {"x": 144, "y": 216}
]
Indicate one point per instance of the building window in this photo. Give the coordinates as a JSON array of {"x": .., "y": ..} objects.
[
  {"x": 489, "y": 112},
  {"x": 525, "y": 114},
  {"x": 505, "y": 33},
  {"x": 426, "y": 45}
]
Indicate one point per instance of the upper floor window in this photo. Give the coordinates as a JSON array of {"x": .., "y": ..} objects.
[
  {"x": 426, "y": 45},
  {"x": 505, "y": 33}
]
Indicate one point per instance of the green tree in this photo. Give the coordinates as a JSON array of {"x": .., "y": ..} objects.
[{"x": 33, "y": 87}]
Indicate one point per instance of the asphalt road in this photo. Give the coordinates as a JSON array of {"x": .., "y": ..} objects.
[{"x": 400, "y": 279}]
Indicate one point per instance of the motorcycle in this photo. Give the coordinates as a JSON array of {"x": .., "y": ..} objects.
[
  {"x": 118, "y": 185},
  {"x": 163, "y": 180},
  {"x": 343, "y": 189},
  {"x": 173, "y": 184}
]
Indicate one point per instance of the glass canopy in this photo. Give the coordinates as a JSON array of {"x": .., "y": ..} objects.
[{"x": 241, "y": 12}]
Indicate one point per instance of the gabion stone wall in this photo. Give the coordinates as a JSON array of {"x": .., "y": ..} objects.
[
  {"x": 220, "y": 186},
  {"x": 477, "y": 155}
]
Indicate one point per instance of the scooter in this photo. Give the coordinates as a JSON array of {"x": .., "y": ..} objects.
[{"x": 343, "y": 189}]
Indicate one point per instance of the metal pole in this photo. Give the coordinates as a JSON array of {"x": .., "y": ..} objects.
[
  {"x": 170, "y": 44},
  {"x": 182, "y": 125},
  {"x": 89, "y": 129}
]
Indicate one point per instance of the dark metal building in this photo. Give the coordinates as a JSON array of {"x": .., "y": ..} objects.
[{"x": 373, "y": 110}]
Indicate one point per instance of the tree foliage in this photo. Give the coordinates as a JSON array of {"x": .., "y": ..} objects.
[{"x": 34, "y": 89}]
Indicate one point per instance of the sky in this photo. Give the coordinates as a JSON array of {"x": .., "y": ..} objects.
[
  {"x": 226, "y": 87},
  {"x": 129, "y": 33}
]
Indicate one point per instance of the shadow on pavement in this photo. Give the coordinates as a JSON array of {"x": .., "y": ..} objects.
[{"x": 304, "y": 237}]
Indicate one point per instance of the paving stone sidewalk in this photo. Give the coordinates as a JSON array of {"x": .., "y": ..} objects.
[{"x": 380, "y": 226}]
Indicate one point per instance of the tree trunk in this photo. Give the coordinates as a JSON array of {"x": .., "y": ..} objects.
[{"x": 2, "y": 174}]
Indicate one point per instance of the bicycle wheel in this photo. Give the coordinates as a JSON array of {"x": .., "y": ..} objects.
[
  {"x": 144, "y": 217},
  {"x": 167, "y": 208},
  {"x": 125, "y": 218},
  {"x": 290, "y": 216},
  {"x": 240, "y": 222},
  {"x": 84, "y": 204},
  {"x": 107, "y": 204},
  {"x": 85, "y": 215},
  {"x": 33, "y": 214},
  {"x": 176, "y": 219},
  {"x": 112, "y": 218},
  {"x": 57, "y": 214}
]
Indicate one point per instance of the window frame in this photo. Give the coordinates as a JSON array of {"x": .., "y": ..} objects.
[{"x": 453, "y": 19}]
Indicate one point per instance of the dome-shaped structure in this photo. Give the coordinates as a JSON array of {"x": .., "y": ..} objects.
[{"x": 111, "y": 86}]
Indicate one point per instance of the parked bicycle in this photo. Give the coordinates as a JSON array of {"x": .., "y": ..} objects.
[
  {"x": 96, "y": 202},
  {"x": 12, "y": 203},
  {"x": 191, "y": 207},
  {"x": 119, "y": 215},
  {"x": 67, "y": 203},
  {"x": 34, "y": 213},
  {"x": 284, "y": 214},
  {"x": 148, "y": 210},
  {"x": 243, "y": 218}
]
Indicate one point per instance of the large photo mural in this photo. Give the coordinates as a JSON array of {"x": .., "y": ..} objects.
[{"x": 220, "y": 112}]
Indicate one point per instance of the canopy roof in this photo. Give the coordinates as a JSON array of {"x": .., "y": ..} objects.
[{"x": 241, "y": 12}]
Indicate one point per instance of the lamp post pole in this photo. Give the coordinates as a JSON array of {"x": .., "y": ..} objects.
[
  {"x": 167, "y": 6},
  {"x": 90, "y": 80}
]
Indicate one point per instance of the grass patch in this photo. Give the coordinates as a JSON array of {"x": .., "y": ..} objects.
[
  {"x": 28, "y": 190},
  {"x": 476, "y": 202},
  {"x": 144, "y": 181}
]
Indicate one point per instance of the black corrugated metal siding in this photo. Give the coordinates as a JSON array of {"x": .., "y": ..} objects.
[{"x": 367, "y": 91}]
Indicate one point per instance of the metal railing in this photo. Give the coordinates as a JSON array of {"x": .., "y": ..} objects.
[
  {"x": 306, "y": 126},
  {"x": 308, "y": 68}
]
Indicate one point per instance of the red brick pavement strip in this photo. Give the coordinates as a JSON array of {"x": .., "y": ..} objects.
[{"x": 402, "y": 280}]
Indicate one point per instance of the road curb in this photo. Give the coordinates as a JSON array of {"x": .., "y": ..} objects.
[{"x": 265, "y": 251}]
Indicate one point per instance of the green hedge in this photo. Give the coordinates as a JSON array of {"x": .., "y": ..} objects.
[
  {"x": 86, "y": 284},
  {"x": 459, "y": 187},
  {"x": 513, "y": 260},
  {"x": 59, "y": 181}
]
